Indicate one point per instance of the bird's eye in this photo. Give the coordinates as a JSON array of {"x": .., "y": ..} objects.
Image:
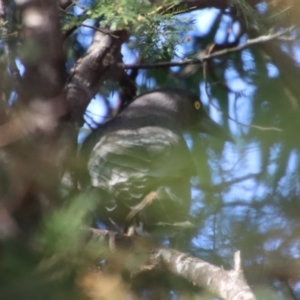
[{"x": 197, "y": 105}]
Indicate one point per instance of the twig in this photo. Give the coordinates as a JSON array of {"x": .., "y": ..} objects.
[
  {"x": 221, "y": 112},
  {"x": 80, "y": 5},
  {"x": 105, "y": 31},
  {"x": 237, "y": 261},
  {"x": 291, "y": 290},
  {"x": 148, "y": 199},
  {"x": 250, "y": 42}
]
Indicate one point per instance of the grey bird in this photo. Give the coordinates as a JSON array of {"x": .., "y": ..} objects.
[{"x": 140, "y": 165}]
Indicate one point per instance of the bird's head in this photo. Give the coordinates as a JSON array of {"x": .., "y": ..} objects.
[
  {"x": 198, "y": 120},
  {"x": 184, "y": 108}
]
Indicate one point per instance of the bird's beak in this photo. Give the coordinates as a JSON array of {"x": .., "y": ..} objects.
[{"x": 207, "y": 125}]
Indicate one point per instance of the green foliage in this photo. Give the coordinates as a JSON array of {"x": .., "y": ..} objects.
[
  {"x": 156, "y": 38},
  {"x": 72, "y": 21},
  {"x": 63, "y": 236},
  {"x": 63, "y": 229},
  {"x": 121, "y": 14},
  {"x": 279, "y": 14},
  {"x": 154, "y": 35},
  {"x": 250, "y": 16}
]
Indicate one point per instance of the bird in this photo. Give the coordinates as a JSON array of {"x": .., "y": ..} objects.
[{"x": 140, "y": 165}]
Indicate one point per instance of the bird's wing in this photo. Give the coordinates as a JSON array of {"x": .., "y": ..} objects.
[{"x": 132, "y": 163}]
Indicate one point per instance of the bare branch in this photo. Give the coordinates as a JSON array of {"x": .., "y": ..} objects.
[
  {"x": 103, "y": 30},
  {"x": 221, "y": 112},
  {"x": 201, "y": 59},
  {"x": 227, "y": 284},
  {"x": 237, "y": 261},
  {"x": 99, "y": 64}
]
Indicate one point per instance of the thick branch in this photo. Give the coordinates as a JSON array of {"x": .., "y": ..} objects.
[
  {"x": 229, "y": 285},
  {"x": 99, "y": 64},
  {"x": 39, "y": 117},
  {"x": 44, "y": 76},
  {"x": 34, "y": 169},
  {"x": 226, "y": 284}
]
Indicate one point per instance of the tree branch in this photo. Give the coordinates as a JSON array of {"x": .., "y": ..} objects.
[
  {"x": 190, "y": 5},
  {"x": 35, "y": 169},
  {"x": 227, "y": 284},
  {"x": 262, "y": 128},
  {"x": 202, "y": 58},
  {"x": 99, "y": 64}
]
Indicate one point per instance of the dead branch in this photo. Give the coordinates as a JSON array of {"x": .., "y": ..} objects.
[
  {"x": 204, "y": 57},
  {"x": 227, "y": 284}
]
